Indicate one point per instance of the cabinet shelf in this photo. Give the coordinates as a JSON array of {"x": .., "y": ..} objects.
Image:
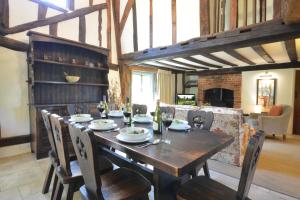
[
  {"x": 69, "y": 64},
  {"x": 66, "y": 83}
]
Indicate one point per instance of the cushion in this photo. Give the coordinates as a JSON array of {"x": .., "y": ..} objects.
[{"x": 276, "y": 111}]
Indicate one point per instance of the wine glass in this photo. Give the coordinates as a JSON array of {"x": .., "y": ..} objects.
[
  {"x": 101, "y": 108},
  {"x": 167, "y": 119}
]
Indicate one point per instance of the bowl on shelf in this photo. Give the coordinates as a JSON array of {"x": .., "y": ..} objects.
[{"x": 72, "y": 79}]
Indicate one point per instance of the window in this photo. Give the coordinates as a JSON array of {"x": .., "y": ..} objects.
[
  {"x": 143, "y": 89},
  {"x": 59, "y": 3}
]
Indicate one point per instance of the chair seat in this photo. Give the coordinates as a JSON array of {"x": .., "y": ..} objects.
[
  {"x": 205, "y": 188},
  {"x": 105, "y": 164},
  {"x": 121, "y": 183}
]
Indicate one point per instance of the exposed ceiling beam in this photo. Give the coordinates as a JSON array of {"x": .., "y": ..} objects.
[
  {"x": 176, "y": 66},
  {"x": 188, "y": 65},
  {"x": 51, "y": 20},
  {"x": 267, "y": 32},
  {"x": 238, "y": 56},
  {"x": 13, "y": 44},
  {"x": 201, "y": 62},
  {"x": 248, "y": 68},
  {"x": 163, "y": 67},
  {"x": 260, "y": 51},
  {"x": 219, "y": 60},
  {"x": 128, "y": 7},
  {"x": 291, "y": 50}
]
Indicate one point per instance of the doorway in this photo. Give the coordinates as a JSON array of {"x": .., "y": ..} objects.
[{"x": 296, "y": 128}]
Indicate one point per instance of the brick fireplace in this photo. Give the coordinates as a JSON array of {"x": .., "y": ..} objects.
[{"x": 224, "y": 82}]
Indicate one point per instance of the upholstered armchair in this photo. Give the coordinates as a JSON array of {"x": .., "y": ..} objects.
[{"x": 276, "y": 124}]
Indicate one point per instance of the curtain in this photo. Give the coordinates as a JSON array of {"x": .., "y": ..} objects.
[{"x": 165, "y": 86}]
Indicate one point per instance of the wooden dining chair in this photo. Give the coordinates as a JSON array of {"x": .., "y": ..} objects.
[
  {"x": 139, "y": 109},
  {"x": 200, "y": 119},
  {"x": 168, "y": 109},
  {"x": 68, "y": 171},
  {"x": 202, "y": 187},
  {"x": 52, "y": 155},
  {"x": 121, "y": 183}
]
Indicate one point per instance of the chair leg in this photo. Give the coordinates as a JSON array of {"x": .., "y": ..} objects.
[
  {"x": 48, "y": 179},
  {"x": 284, "y": 137},
  {"x": 58, "y": 191},
  {"x": 54, "y": 185},
  {"x": 206, "y": 170},
  {"x": 71, "y": 191}
]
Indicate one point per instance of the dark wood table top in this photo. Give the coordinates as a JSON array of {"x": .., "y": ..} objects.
[{"x": 184, "y": 153}]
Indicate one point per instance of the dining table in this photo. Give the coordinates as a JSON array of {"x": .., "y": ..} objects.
[{"x": 165, "y": 165}]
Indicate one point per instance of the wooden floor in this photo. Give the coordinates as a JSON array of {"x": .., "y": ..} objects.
[{"x": 21, "y": 178}]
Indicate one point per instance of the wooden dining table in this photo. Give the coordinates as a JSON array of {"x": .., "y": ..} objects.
[{"x": 172, "y": 163}]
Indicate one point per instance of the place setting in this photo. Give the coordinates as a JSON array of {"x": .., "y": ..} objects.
[
  {"x": 104, "y": 125},
  {"x": 80, "y": 118}
]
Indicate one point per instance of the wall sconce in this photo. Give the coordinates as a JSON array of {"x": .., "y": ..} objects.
[{"x": 266, "y": 75}]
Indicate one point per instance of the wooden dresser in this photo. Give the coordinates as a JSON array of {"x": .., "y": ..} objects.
[{"x": 49, "y": 58}]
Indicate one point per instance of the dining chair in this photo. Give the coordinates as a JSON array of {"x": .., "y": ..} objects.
[
  {"x": 52, "y": 155},
  {"x": 199, "y": 119},
  {"x": 207, "y": 188},
  {"x": 168, "y": 109},
  {"x": 139, "y": 109},
  {"x": 121, "y": 183},
  {"x": 68, "y": 171}
]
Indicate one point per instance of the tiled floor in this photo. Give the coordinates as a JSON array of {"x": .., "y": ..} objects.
[{"x": 21, "y": 178}]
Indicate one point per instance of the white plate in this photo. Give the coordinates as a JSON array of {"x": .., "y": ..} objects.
[
  {"x": 141, "y": 133},
  {"x": 142, "y": 119},
  {"x": 115, "y": 113},
  {"x": 81, "y": 119},
  {"x": 179, "y": 125},
  {"x": 97, "y": 128},
  {"x": 123, "y": 138}
]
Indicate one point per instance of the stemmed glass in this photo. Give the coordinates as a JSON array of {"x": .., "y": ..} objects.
[
  {"x": 101, "y": 108},
  {"x": 167, "y": 119}
]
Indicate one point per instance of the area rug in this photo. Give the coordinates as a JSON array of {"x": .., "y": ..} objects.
[{"x": 278, "y": 168}]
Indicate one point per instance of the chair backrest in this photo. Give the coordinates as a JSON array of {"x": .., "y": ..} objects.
[
  {"x": 200, "y": 116},
  {"x": 249, "y": 165},
  {"x": 77, "y": 109},
  {"x": 46, "y": 119},
  {"x": 139, "y": 109},
  {"x": 61, "y": 134},
  {"x": 168, "y": 109},
  {"x": 85, "y": 148}
]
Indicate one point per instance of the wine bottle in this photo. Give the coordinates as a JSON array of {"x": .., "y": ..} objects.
[
  {"x": 105, "y": 106},
  {"x": 157, "y": 123},
  {"x": 127, "y": 113}
]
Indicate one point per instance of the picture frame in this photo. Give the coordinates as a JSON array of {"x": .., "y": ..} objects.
[{"x": 266, "y": 92}]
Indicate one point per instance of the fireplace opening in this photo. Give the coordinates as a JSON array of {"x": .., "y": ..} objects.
[{"x": 219, "y": 97}]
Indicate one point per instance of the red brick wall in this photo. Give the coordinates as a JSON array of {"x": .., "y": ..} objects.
[{"x": 227, "y": 81}]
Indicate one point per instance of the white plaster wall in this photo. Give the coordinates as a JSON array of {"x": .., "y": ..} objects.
[
  {"x": 284, "y": 92},
  {"x": 14, "y": 114}
]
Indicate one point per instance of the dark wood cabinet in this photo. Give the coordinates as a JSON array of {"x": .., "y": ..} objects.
[{"x": 49, "y": 58}]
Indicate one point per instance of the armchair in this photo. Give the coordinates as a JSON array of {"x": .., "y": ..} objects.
[{"x": 276, "y": 124}]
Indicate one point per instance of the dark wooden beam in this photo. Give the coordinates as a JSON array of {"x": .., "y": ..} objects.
[
  {"x": 13, "y": 44},
  {"x": 108, "y": 29},
  {"x": 100, "y": 27},
  {"x": 291, "y": 50},
  {"x": 49, "y": 5},
  {"x": 116, "y": 15},
  {"x": 195, "y": 60},
  {"x": 52, "y": 20},
  {"x": 9, "y": 141},
  {"x": 254, "y": 11},
  {"x": 248, "y": 68},
  {"x": 267, "y": 32},
  {"x": 4, "y": 13},
  {"x": 151, "y": 25},
  {"x": 53, "y": 29},
  {"x": 217, "y": 59},
  {"x": 135, "y": 31},
  {"x": 260, "y": 51},
  {"x": 277, "y": 5},
  {"x": 204, "y": 17},
  {"x": 174, "y": 23},
  {"x": 42, "y": 12},
  {"x": 82, "y": 29},
  {"x": 90, "y": 2},
  {"x": 175, "y": 87},
  {"x": 238, "y": 56},
  {"x": 262, "y": 10},
  {"x": 175, "y": 66},
  {"x": 233, "y": 14},
  {"x": 188, "y": 65},
  {"x": 245, "y": 12},
  {"x": 222, "y": 15},
  {"x": 165, "y": 67},
  {"x": 128, "y": 7}
]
